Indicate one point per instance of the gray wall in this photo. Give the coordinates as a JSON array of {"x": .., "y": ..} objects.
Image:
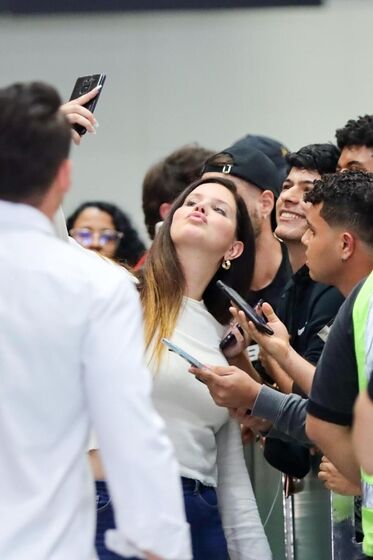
[{"x": 210, "y": 77}]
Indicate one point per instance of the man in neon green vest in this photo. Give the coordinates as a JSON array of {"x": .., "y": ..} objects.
[
  {"x": 363, "y": 337},
  {"x": 363, "y": 417}
]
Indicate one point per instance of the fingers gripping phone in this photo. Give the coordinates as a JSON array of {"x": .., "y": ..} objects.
[
  {"x": 258, "y": 321},
  {"x": 83, "y": 85}
]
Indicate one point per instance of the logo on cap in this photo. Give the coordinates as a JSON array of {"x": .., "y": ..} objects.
[{"x": 227, "y": 168}]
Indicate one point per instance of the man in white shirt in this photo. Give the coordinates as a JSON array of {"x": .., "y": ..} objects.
[{"x": 71, "y": 356}]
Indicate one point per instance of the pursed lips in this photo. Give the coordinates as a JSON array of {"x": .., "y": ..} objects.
[{"x": 198, "y": 215}]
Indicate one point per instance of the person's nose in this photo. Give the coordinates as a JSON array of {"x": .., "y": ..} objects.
[
  {"x": 305, "y": 237},
  {"x": 290, "y": 195},
  {"x": 200, "y": 207},
  {"x": 95, "y": 243}
]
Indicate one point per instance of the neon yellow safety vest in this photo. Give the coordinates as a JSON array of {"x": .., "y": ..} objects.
[{"x": 360, "y": 317}]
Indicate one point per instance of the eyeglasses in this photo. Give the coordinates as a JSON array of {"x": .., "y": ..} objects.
[{"x": 87, "y": 237}]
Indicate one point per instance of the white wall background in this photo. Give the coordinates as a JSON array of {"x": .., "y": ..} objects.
[{"x": 296, "y": 74}]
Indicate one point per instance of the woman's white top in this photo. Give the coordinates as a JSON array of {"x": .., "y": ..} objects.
[{"x": 207, "y": 441}]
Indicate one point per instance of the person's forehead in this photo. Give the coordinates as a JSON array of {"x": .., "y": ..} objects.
[
  {"x": 355, "y": 154},
  {"x": 214, "y": 191},
  {"x": 301, "y": 175}
]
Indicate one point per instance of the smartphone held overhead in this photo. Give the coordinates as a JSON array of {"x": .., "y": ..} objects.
[
  {"x": 83, "y": 85},
  {"x": 250, "y": 313}
]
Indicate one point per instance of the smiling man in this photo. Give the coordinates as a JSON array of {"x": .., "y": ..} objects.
[{"x": 305, "y": 306}]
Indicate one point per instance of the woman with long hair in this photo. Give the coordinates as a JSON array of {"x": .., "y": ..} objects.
[{"x": 206, "y": 236}]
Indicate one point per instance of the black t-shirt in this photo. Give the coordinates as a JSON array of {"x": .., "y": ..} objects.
[
  {"x": 271, "y": 293},
  {"x": 336, "y": 385},
  {"x": 307, "y": 308}
]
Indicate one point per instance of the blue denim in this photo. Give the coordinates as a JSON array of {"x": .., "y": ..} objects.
[
  {"x": 105, "y": 520},
  {"x": 202, "y": 513}
]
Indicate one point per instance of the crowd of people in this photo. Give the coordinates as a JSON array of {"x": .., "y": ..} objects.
[{"x": 112, "y": 446}]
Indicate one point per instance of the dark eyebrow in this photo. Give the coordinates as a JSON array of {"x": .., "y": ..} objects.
[{"x": 354, "y": 163}]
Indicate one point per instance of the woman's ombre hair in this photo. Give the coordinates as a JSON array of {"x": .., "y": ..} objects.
[{"x": 162, "y": 282}]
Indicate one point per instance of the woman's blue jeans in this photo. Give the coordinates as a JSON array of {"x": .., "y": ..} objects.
[
  {"x": 202, "y": 514},
  {"x": 105, "y": 520}
]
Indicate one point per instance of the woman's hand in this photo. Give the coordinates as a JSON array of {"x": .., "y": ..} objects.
[{"x": 77, "y": 114}]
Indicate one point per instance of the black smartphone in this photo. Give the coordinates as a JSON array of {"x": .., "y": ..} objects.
[
  {"x": 258, "y": 321},
  {"x": 229, "y": 339},
  {"x": 83, "y": 85}
]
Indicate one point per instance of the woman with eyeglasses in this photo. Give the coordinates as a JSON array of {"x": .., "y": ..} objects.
[{"x": 105, "y": 228}]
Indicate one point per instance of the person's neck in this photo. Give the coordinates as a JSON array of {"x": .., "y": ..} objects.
[
  {"x": 49, "y": 206},
  {"x": 268, "y": 257},
  {"x": 353, "y": 271},
  {"x": 198, "y": 269},
  {"x": 297, "y": 254}
]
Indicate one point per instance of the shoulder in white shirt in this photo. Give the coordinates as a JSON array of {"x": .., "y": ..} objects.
[{"x": 72, "y": 355}]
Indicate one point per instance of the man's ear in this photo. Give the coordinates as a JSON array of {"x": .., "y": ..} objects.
[
  {"x": 348, "y": 244},
  {"x": 63, "y": 177},
  {"x": 164, "y": 209},
  {"x": 234, "y": 251},
  {"x": 267, "y": 202}
]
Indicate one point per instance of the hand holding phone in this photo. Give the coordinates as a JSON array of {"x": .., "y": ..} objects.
[
  {"x": 84, "y": 85},
  {"x": 258, "y": 321}
]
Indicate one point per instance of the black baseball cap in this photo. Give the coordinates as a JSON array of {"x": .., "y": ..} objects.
[
  {"x": 275, "y": 150},
  {"x": 250, "y": 164}
]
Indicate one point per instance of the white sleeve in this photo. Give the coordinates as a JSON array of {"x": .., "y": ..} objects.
[
  {"x": 138, "y": 458},
  {"x": 241, "y": 522},
  {"x": 60, "y": 225}
]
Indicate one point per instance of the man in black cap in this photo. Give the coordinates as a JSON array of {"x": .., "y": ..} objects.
[
  {"x": 275, "y": 150},
  {"x": 258, "y": 182}
]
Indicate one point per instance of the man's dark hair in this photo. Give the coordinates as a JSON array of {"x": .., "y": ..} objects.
[
  {"x": 34, "y": 140},
  {"x": 130, "y": 247},
  {"x": 347, "y": 201},
  {"x": 168, "y": 178},
  {"x": 357, "y": 132},
  {"x": 322, "y": 158}
]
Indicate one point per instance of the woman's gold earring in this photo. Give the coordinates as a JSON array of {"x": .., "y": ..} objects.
[{"x": 226, "y": 264}]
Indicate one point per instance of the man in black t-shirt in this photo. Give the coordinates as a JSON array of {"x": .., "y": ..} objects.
[
  {"x": 343, "y": 224},
  {"x": 305, "y": 306}
]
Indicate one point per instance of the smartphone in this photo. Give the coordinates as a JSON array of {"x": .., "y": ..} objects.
[
  {"x": 174, "y": 348},
  {"x": 229, "y": 339},
  {"x": 258, "y": 321},
  {"x": 83, "y": 85}
]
